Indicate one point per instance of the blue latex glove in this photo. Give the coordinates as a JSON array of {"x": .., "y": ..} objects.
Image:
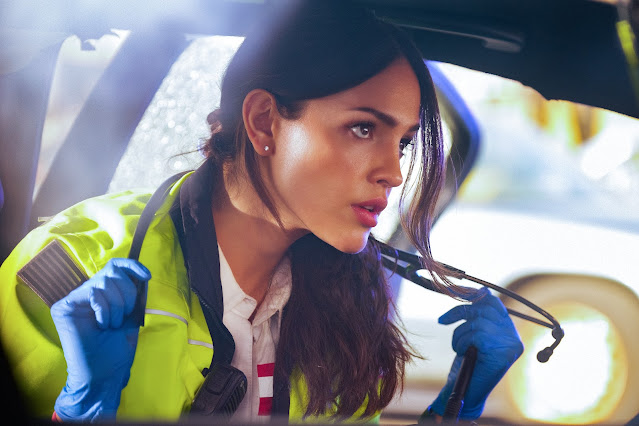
[
  {"x": 489, "y": 328},
  {"x": 98, "y": 342}
]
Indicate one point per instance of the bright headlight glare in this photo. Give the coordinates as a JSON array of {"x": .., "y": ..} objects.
[{"x": 583, "y": 381}]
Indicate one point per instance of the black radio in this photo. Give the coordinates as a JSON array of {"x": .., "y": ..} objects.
[{"x": 221, "y": 393}]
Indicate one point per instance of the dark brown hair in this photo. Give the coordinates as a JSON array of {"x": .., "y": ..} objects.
[{"x": 337, "y": 329}]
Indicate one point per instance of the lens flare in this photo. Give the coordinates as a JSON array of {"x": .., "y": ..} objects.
[{"x": 583, "y": 381}]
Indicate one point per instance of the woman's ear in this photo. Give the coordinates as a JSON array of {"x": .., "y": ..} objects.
[{"x": 258, "y": 112}]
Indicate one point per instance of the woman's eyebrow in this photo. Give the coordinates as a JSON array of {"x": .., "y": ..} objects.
[{"x": 382, "y": 116}]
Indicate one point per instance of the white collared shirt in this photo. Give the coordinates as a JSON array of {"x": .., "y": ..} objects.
[{"x": 256, "y": 342}]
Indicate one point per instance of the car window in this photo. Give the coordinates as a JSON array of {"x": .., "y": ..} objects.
[
  {"x": 168, "y": 136},
  {"x": 549, "y": 209},
  {"x": 167, "y": 139}
]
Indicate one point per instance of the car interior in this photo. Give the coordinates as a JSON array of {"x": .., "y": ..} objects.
[{"x": 577, "y": 50}]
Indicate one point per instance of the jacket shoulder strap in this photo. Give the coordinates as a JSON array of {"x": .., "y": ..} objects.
[{"x": 155, "y": 202}]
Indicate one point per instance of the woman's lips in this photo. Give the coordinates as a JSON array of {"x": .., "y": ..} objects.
[
  {"x": 366, "y": 217},
  {"x": 368, "y": 212}
]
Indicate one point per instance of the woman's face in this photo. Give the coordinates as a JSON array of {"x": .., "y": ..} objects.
[{"x": 332, "y": 169}]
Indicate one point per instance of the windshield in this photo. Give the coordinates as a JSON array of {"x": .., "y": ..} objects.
[{"x": 555, "y": 158}]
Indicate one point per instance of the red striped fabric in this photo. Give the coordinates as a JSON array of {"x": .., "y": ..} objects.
[
  {"x": 265, "y": 370},
  {"x": 266, "y": 404},
  {"x": 265, "y": 379}
]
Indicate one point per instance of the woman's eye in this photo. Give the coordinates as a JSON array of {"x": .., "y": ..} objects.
[
  {"x": 362, "y": 130},
  {"x": 404, "y": 144}
]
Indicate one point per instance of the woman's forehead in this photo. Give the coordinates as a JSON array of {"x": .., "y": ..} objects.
[{"x": 394, "y": 94}]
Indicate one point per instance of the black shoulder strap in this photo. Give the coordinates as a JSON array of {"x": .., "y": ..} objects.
[
  {"x": 223, "y": 341},
  {"x": 156, "y": 200},
  {"x": 191, "y": 214},
  {"x": 224, "y": 344},
  {"x": 149, "y": 212}
]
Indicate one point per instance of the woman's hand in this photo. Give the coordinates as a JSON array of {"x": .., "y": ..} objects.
[
  {"x": 98, "y": 343},
  {"x": 489, "y": 328}
]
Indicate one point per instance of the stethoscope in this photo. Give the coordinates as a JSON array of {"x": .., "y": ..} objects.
[{"x": 391, "y": 258}]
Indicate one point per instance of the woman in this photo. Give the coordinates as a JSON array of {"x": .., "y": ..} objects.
[{"x": 262, "y": 258}]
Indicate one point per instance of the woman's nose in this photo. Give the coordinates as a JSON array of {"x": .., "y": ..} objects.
[{"x": 389, "y": 172}]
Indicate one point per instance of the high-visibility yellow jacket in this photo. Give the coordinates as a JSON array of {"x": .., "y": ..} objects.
[{"x": 174, "y": 345}]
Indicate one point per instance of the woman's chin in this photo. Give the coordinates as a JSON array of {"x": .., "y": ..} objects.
[{"x": 352, "y": 245}]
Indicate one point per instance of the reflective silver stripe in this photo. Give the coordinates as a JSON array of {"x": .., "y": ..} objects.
[
  {"x": 166, "y": 313},
  {"x": 198, "y": 342},
  {"x": 172, "y": 315}
]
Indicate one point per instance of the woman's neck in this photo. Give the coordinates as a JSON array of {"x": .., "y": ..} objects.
[{"x": 252, "y": 241}]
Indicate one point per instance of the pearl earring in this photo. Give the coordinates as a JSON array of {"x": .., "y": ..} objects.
[{"x": 266, "y": 148}]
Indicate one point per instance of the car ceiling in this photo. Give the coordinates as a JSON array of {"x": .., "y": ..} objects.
[{"x": 565, "y": 49}]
